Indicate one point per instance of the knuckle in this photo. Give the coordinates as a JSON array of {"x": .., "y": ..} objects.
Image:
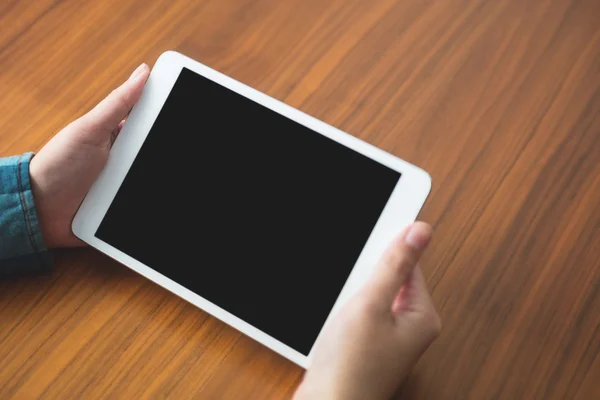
[
  {"x": 431, "y": 324},
  {"x": 405, "y": 266},
  {"x": 123, "y": 103},
  {"x": 434, "y": 325},
  {"x": 118, "y": 97},
  {"x": 398, "y": 267}
]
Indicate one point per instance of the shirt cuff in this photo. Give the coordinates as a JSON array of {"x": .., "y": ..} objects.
[{"x": 22, "y": 248}]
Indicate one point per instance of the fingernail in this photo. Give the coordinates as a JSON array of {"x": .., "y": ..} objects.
[
  {"x": 137, "y": 71},
  {"x": 418, "y": 235}
]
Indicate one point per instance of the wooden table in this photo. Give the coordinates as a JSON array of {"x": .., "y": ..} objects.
[{"x": 498, "y": 100}]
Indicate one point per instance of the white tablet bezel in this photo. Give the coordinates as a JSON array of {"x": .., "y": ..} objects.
[{"x": 402, "y": 208}]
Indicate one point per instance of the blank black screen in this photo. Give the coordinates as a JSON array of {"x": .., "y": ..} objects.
[{"x": 247, "y": 208}]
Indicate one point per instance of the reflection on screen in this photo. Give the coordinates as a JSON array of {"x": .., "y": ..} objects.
[{"x": 249, "y": 209}]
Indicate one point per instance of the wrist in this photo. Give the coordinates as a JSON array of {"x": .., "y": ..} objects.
[
  {"x": 308, "y": 390},
  {"x": 325, "y": 388},
  {"x": 38, "y": 184}
]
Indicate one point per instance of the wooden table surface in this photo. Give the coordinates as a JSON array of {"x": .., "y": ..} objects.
[{"x": 498, "y": 100}]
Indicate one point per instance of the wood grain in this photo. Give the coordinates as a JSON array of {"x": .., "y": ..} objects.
[{"x": 498, "y": 100}]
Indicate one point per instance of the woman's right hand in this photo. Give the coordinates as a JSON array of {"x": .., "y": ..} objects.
[{"x": 369, "y": 348}]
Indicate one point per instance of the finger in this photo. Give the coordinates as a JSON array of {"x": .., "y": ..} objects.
[
  {"x": 115, "y": 132},
  {"x": 398, "y": 263},
  {"x": 416, "y": 311},
  {"x": 103, "y": 119},
  {"x": 421, "y": 292},
  {"x": 414, "y": 295}
]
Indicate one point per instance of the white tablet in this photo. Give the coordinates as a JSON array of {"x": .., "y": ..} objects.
[{"x": 257, "y": 213}]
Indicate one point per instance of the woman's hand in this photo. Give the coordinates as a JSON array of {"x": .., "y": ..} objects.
[
  {"x": 369, "y": 348},
  {"x": 64, "y": 170}
]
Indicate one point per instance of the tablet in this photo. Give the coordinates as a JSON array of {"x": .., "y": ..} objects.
[{"x": 255, "y": 212}]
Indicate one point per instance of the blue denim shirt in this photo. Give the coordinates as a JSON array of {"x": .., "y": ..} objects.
[{"x": 22, "y": 248}]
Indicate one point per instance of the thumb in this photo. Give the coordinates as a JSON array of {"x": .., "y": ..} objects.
[
  {"x": 102, "y": 120},
  {"x": 398, "y": 263}
]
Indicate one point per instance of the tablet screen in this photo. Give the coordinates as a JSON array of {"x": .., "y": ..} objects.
[{"x": 252, "y": 211}]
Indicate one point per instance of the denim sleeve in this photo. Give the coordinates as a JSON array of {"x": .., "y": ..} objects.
[{"x": 22, "y": 249}]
